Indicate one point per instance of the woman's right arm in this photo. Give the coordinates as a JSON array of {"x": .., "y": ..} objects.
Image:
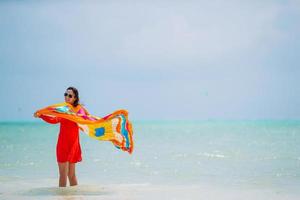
[{"x": 51, "y": 120}]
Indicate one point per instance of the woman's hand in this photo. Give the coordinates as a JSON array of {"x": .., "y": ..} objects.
[{"x": 36, "y": 114}]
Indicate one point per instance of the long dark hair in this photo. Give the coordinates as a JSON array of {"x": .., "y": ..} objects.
[{"x": 75, "y": 91}]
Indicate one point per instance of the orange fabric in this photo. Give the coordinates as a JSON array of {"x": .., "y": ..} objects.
[{"x": 114, "y": 127}]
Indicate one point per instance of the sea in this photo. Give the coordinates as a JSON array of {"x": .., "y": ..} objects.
[{"x": 209, "y": 159}]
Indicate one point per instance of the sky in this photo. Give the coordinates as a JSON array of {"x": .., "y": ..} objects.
[{"x": 160, "y": 60}]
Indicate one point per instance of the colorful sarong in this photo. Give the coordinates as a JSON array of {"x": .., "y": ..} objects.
[{"x": 114, "y": 127}]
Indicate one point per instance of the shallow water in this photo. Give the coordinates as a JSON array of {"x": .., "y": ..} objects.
[{"x": 219, "y": 155}]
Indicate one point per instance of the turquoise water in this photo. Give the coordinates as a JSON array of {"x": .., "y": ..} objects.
[{"x": 231, "y": 154}]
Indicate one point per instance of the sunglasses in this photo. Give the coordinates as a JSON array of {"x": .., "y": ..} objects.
[{"x": 69, "y": 95}]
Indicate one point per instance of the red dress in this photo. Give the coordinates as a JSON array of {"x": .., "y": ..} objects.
[{"x": 68, "y": 146}]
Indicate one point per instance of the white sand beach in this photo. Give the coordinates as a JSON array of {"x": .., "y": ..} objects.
[{"x": 145, "y": 191}]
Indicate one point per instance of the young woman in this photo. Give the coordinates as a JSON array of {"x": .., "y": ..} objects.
[{"x": 68, "y": 151}]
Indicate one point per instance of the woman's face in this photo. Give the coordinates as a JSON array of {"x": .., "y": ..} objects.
[{"x": 70, "y": 97}]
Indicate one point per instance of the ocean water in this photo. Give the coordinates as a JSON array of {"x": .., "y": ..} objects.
[{"x": 171, "y": 159}]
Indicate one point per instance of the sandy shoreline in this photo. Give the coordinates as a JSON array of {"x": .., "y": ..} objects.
[{"x": 145, "y": 191}]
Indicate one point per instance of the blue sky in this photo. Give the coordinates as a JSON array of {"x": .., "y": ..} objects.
[{"x": 158, "y": 59}]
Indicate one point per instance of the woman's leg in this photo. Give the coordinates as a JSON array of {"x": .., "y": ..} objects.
[
  {"x": 72, "y": 175},
  {"x": 63, "y": 173}
]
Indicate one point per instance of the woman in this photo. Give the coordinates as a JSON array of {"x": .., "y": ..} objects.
[{"x": 68, "y": 151}]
